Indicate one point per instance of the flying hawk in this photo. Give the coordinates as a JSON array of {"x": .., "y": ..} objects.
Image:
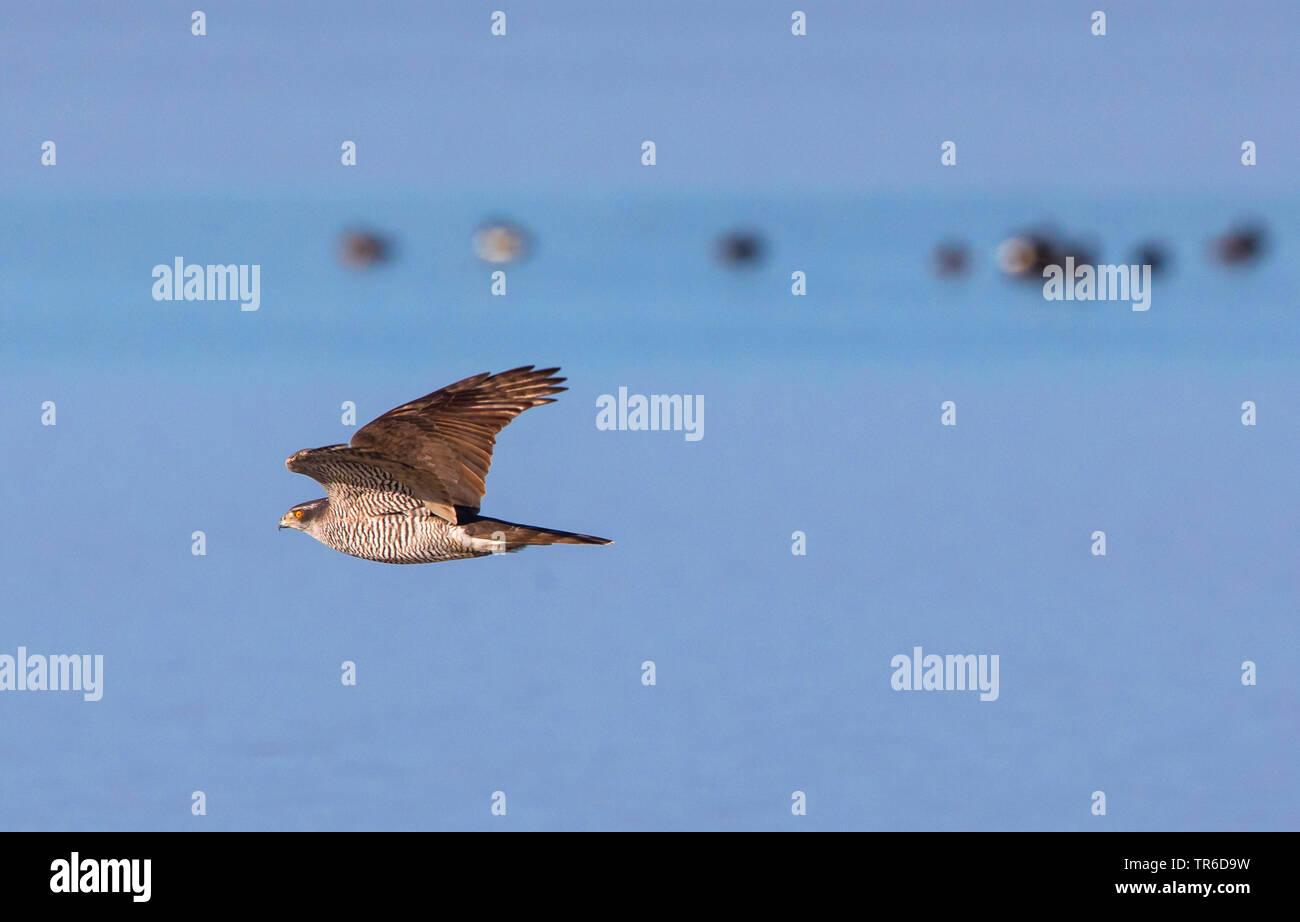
[{"x": 407, "y": 488}]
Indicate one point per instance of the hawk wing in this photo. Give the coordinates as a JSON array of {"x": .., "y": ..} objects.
[
  {"x": 439, "y": 446},
  {"x": 380, "y": 484}
]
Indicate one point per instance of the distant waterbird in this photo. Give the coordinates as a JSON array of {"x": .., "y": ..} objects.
[
  {"x": 951, "y": 259},
  {"x": 1026, "y": 256},
  {"x": 1241, "y": 246},
  {"x": 361, "y": 249},
  {"x": 740, "y": 248},
  {"x": 499, "y": 241},
  {"x": 1154, "y": 254}
]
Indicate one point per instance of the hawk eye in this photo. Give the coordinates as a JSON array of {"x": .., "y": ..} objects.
[{"x": 297, "y": 513}]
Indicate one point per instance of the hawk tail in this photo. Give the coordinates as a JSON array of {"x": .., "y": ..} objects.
[{"x": 518, "y": 536}]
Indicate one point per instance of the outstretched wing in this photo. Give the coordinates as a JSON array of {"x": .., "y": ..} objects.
[
  {"x": 377, "y": 484},
  {"x": 451, "y": 432},
  {"x": 440, "y": 446}
]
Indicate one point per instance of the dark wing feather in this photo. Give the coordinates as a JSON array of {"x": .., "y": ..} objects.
[
  {"x": 447, "y": 437},
  {"x": 387, "y": 485}
]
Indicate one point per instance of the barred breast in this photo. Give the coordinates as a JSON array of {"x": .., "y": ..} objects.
[{"x": 413, "y": 536}]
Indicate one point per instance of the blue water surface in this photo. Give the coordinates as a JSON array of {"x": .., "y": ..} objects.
[{"x": 522, "y": 673}]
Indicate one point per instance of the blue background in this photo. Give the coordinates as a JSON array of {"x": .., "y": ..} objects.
[{"x": 522, "y": 673}]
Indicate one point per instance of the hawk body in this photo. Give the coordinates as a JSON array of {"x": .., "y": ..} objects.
[{"x": 408, "y": 486}]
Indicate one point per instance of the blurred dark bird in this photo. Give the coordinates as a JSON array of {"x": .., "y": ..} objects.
[
  {"x": 499, "y": 241},
  {"x": 1025, "y": 256},
  {"x": 740, "y": 248},
  {"x": 1241, "y": 246},
  {"x": 951, "y": 259},
  {"x": 359, "y": 249},
  {"x": 407, "y": 488},
  {"x": 1153, "y": 254}
]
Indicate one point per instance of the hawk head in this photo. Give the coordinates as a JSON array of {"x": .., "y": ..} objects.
[{"x": 305, "y": 516}]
